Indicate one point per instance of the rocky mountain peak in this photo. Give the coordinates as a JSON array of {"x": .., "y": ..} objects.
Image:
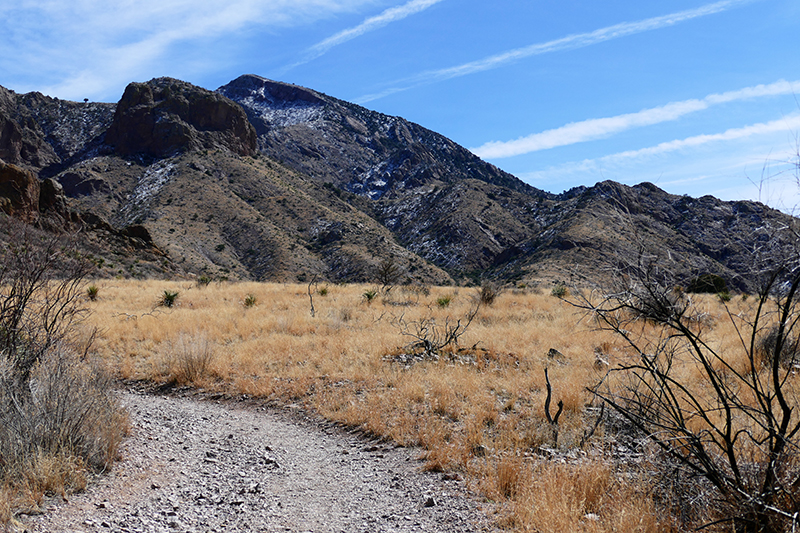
[
  {"x": 275, "y": 92},
  {"x": 165, "y": 116}
]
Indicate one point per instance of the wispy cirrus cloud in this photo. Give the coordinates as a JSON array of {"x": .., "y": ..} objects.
[
  {"x": 787, "y": 124},
  {"x": 599, "y": 128},
  {"x": 393, "y": 14},
  {"x": 570, "y": 42},
  {"x": 91, "y": 47},
  {"x": 684, "y": 146},
  {"x": 756, "y": 161}
]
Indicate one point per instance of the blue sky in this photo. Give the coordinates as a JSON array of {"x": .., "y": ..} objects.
[{"x": 696, "y": 97}]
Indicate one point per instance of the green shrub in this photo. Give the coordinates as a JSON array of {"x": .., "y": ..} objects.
[
  {"x": 322, "y": 291},
  {"x": 203, "y": 281},
  {"x": 168, "y": 298},
  {"x": 250, "y": 300},
  {"x": 560, "y": 291},
  {"x": 369, "y": 295},
  {"x": 443, "y": 301},
  {"x": 707, "y": 283},
  {"x": 92, "y": 291}
]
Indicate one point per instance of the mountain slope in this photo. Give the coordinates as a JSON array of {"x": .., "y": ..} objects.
[{"x": 270, "y": 181}]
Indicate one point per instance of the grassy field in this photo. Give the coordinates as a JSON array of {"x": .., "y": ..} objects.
[{"x": 477, "y": 411}]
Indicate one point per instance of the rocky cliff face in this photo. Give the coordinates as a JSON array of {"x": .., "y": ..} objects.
[
  {"x": 165, "y": 116},
  {"x": 41, "y": 133}
]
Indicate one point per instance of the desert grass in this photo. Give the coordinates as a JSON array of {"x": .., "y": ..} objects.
[
  {"x": 476, "y": 408},
  {"x": 55, "y": 436}
]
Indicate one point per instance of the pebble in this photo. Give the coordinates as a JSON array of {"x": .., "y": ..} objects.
[{"x": 288, "y": 474}]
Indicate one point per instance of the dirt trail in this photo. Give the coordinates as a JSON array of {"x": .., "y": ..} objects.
[{"x": 202, "y": 466}]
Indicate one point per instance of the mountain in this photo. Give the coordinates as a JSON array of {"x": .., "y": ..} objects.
[{"x": 271, "y": 181}]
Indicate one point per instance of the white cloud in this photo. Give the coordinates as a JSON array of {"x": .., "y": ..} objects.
[
  {"x": 93, "y": 46},
  {"x": 598, "y": 128},
  {"x": 569, "y": 42},
  {"x": 390, "y": 15},
  {"x": 790, "y": 123},
  {"x": 763, "y": 152}
]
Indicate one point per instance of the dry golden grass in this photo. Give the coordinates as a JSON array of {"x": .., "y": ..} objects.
[{"x": 478, "y": 411}]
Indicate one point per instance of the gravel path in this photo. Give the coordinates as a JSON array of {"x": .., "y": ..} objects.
[{"x": 202, "y": 466}]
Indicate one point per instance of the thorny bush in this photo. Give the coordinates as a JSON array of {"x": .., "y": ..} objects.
[
  {"x": 738, "y": 426},
  {"x": 55, "y": 405}
]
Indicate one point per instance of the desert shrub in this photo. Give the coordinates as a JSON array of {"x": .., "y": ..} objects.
[
  {"x": 560, "y": 291},
  {"x": 369, "y": 295},
  {"x": 707, "y": 283},
  {"x": 417, "y": 290},
  {"x": 168, "y": 298},
  {"x": 203, "y": 281},
  {"x": 388, "y": 273},
  {"x": 323, "y": 291},
  {"x": 768, "y": 348},
  {"x": 70, "y": 410},
  {"x": 189, "y": 358},
  {"x": 56, "y": 407},
  {"x": 443, "y": 301},
  {"x": 92, "y": 291},
  {"x": 735, "y": 426},
  {"x": 489, "y": 293},
  {"x": 250, "y": 300}
]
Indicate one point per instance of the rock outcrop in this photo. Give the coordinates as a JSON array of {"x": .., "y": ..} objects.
[
  {"x": 19, "y": 193},
  {"x": 165, "y": 116},
  {"x": 22, "y": 141}
]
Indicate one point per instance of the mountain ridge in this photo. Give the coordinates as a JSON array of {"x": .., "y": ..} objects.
[{"x": 271, "y": 181}]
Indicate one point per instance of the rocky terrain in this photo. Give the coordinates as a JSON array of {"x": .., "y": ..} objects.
[
  {"x": 269, "y": 181},
  {"x": 201, "y": 466}
]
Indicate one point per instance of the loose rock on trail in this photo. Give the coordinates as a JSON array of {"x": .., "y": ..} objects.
[{"x": 203, "y": 466}]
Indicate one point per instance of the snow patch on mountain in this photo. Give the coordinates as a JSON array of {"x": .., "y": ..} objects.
[{"x": 151, "y": 182}]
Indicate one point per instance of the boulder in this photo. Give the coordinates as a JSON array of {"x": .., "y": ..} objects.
[
  {"x": 83, "y": 183},
  {"x": 19, "y": 192},
  {"x": 165, "y": 116},
  {"x": 52, "y": 198}
]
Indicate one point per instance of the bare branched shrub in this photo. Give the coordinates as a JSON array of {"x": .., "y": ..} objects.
[
  {"x": 432, "y": 336},
  {"x": 40, "y": 287},
  {"x": 58, "y": 418},
  {"x": 388, "y": 273},
  {"x": 738, "y": 426}
]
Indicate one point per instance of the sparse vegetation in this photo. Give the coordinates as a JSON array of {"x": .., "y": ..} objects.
[
  {"x": 188, "y": 359},
  {"x": 477, "y": 409},
  {"x": 369, "y": 295},
  {"x": 168, "y": 298},
  {"x": 58, "y": 419},
  {"x": 722, "y": 412},
  {"x": 475, "y": 405},
  {"x": 92, "y": 292},
  {"x": 250, "y": 300},
  {"x": 560, "y": 291}
]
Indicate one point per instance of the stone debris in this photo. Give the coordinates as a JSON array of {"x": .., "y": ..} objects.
[{"x": 197, "y": 466}]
